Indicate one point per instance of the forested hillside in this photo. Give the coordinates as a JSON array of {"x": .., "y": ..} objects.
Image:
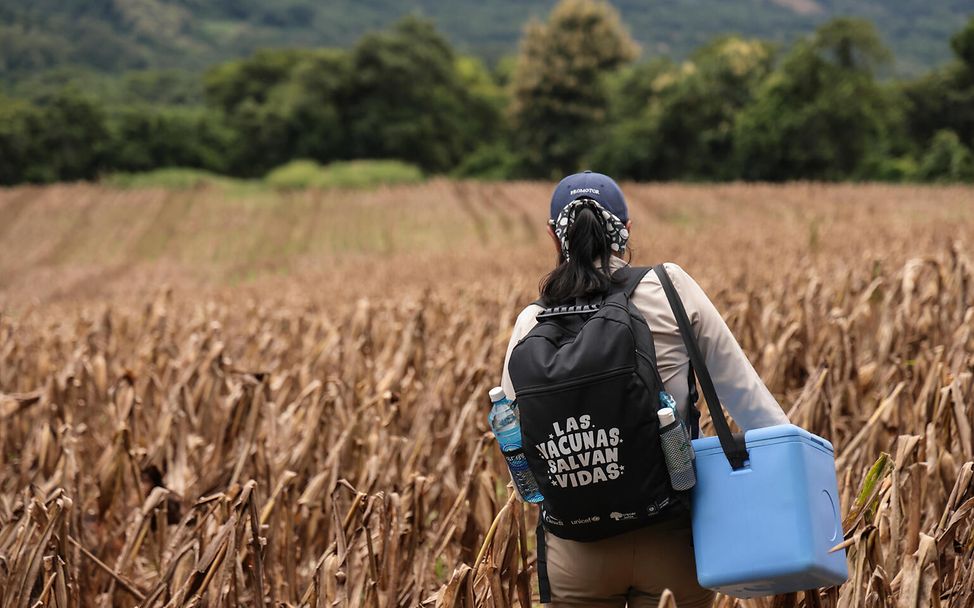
[
  {"x": 109, "y": 36},
  {"x": 578, "y": 94}
]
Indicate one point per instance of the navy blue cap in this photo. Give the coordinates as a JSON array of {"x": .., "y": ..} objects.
[{"x": 596, "y": 186}]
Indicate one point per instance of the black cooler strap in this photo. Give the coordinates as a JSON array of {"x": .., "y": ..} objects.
[
  {"x": 732, "y": 443},
  {"x": 693, "y": 416}
]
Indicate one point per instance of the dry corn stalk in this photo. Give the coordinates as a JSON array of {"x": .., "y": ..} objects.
[{"x": 331, "y": 449}]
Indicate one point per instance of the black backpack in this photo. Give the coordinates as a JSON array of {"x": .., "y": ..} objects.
[{"x": 588, "y": 389}]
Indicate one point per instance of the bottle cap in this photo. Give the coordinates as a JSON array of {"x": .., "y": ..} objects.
[
  {"x": 666, "y": 416},
  {"x": 497, "y": 394}
]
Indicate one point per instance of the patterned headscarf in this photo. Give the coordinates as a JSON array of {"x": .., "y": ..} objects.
[{"x": 615, "y": 229}]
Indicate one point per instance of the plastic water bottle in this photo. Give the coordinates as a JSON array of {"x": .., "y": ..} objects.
[
  {"x": 503, "y": 419},
  {"x": 676, "y": 449}
]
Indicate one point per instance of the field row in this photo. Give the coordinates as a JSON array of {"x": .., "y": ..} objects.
[{"x": 318, "y": 437}]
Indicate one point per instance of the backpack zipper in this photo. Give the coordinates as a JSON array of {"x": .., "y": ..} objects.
[{"x": 566, "y": 384}]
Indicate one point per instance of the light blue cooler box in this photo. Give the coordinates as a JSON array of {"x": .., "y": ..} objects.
[{"x": 767, "y": 528}]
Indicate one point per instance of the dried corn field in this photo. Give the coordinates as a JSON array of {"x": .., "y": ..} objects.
[{"x": 279, "y": 399}]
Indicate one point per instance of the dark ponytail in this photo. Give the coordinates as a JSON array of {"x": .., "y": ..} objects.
[{"x": 580, "y": 277}]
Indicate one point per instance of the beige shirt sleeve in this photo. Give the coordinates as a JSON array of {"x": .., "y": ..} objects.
[
  {"x": 738, "y": 386},
  {"x": 740, "y": 389}
]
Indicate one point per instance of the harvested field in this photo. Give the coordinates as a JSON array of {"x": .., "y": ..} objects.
[{"x": 279, "y": 399}]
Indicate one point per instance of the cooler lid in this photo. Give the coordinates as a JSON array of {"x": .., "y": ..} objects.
[{"x": 770, "y": 435}]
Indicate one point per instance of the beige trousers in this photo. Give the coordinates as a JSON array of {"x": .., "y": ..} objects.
[{"x": 630, "y": 569}]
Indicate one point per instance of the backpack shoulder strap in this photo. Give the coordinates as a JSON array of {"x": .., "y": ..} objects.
[
  {"x": 733, "y": 444},
  {"x": 631, "y": 275}
]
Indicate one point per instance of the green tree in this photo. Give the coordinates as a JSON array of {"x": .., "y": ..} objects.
[
  {"x": 947, "y": 159},
  {"x": 17, "y": 147},
  {"x": 559, "y": 86},
  {"x": 283, "y": 104},
  {"x": 63, "y": 138},
  {"x": 943, "y": 100},
  {"x": 632, "y": 88},
  {"x": 146, "y": 137},
  {"x": 684, "y": 129},
  {"x": 821, "y": 114},
  {"x": 74, "y": 137},
  {"x": 409, "y": 99},
  {"x": 232, "y": 84}
]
